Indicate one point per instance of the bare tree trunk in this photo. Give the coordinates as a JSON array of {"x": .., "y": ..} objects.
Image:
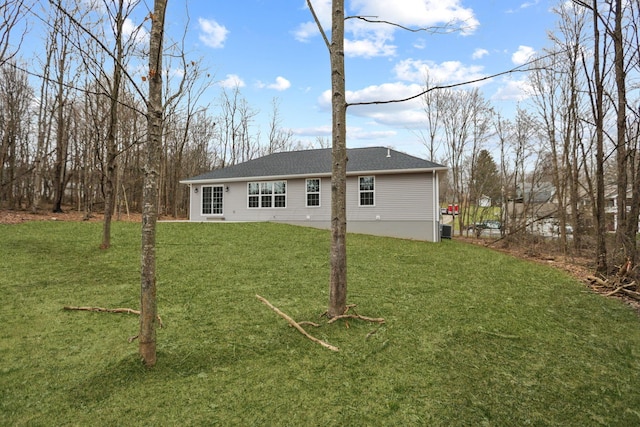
[
  {"x": 623, "y": 240},
  {"x": 112, "y": 147},
  {"x": 634, "y": 212},
  {"x": 601, "y": 244},
  {"x": 62, "y": 146},
  {"x": 338, "y": 259},
  {"x": 148, "y": 303}
]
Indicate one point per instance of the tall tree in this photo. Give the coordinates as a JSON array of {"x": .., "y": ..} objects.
[
  {"x": 11, "y": 11},
  {"x": 279, "y": 138},
  {"x": 111, "y": 141},
  {"x": 338, "y": 254},
  {"x": 148, "y": 302},
  {"x": 338, "y": 284},
  {"x": 432, "y": 107},
  {"x": 624, "y": 239},
  {"x": 597, "y": 105},
  {"x": 15, "y": 98},
  {"x": 486, "y": 178},
  {"x": 61, "y": 65}
]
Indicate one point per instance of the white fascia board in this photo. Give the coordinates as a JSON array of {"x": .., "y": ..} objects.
[
  {"x": 252, "y": 178},
  {"x": 311, "y": 175},
  {"x": 397, "y": 171}
]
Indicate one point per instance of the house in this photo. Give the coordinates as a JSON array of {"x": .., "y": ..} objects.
[
  {"x": 484, "y": 201},
  {"x": 611, "y": 207},
  {"x": 389, "y": 193}
]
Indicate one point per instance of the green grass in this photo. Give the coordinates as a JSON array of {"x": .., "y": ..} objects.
[{"x": 472, "y": 336}]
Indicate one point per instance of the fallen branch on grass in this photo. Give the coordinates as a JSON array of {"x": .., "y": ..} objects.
[
  {"x": 632, "y": 294},
  {"x": 111, "y": 310},
  {"x": 620, "y": 288},
  {"x": 357, "y": 316},
  {"x": 616, "y": 285},
  {"x": 597, "y": 281},
  {"x": 314, "y": 324},
  {"x": 297, "y": 325},
  {"x": 352, "y": 316}
]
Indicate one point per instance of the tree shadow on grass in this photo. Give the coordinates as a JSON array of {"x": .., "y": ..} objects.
[{"x": 128, "y": 373}]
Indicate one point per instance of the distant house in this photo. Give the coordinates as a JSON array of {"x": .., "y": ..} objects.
[
  {"x": 611, "y": 207},
  {"x": 389, "y": 193},
  {"x": 484, "y": 201}
]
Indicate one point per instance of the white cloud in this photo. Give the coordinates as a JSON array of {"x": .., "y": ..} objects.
[
  {"x": 353, "y": 132},
  {"x": 419, "y": 13},
  {"x": 524, "y": 5},
  {"x": 420, "y": 44},
  {"x": 383, "y": 92},
  {"x": 231, "y": 81},
  {"x": 212, "y": 34},
  {"x": 479, "y": 53},
  {"x": 306, "y": 30},
  {"x": 529, "y": 4},
  {"x": 280, "y": 84},
  {"x": 368, "y": 48},
  {"x": 406, "y": 113},
  {"x": 417, "y": 71},
  {"x": 313, "y": 131},
  {"x": 369, "y": 40},
  {"x": 513, "y": 90},
  {"x": 522, "y": 55},
  {"x": 135, "y": 33}
]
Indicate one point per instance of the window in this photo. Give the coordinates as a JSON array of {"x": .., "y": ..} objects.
[
  {"x": 267, "y": 194},
  {"x": 212, "y": 200},
  {"x": 254, "y": 195},
  {"x": 313, "y": 192},
  {"x": 366, "y": 190},
  {"x": 280, "y": 194}
]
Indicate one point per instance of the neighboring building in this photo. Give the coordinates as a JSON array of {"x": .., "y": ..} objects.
[
  {"x": 484, "y": 201},
  {"x": 388, "y": 193},
  {"x": 611, "y": 207}
]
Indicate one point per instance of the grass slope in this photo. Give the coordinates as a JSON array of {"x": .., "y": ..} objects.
[{"x": 472, "y": 336}]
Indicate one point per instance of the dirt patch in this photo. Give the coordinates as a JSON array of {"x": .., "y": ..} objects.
[{"x": 20, "y": 216}]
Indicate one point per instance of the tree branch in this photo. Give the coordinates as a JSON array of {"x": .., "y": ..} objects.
[
  {"x": 315, "y": 18},
  {"x": 296, "y": 325},
  {"x": 434, "y": 30},
  {"x": 518, "y": 69},
  {"x": 111, "y": 310},
  {"x": 100, "y": 43}
]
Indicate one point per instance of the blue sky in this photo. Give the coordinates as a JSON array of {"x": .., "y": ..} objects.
[{"x": 271, "y": 49}]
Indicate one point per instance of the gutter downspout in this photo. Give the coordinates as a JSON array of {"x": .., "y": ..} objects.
[{"x": 436, "y": 209}]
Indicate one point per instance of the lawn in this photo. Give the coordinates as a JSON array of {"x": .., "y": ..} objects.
[{"x": 472, "y": 337}]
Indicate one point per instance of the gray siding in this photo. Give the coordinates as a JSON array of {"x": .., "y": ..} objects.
[
  {"x": 403, "y": 206},
  {"x": 406, "y": 197}
]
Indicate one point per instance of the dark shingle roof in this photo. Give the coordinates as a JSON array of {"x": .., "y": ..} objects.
[{"x": 318, "y": 162}]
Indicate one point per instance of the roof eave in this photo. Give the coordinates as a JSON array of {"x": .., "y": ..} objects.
[
  {"x": 309, "y": 175},
  {"x": 250, "y": 178}
]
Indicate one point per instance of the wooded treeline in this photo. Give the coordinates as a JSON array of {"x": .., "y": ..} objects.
[
  {"x": 568, "y": 160},
  {"x": 72, "y": 123}
]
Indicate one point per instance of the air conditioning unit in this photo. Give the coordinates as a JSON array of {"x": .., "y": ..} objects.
[{"x": 445, "y": 231}]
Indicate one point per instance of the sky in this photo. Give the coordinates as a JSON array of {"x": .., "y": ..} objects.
[{"x": 272, "y": 50}]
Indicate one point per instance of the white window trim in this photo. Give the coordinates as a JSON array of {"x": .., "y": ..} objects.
[
  {"x": 202, "y": 203},
  {"x": 319, "y": 193},
  {"x": 273, "y": 195},
  {"x": 367, "y": 191}
]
